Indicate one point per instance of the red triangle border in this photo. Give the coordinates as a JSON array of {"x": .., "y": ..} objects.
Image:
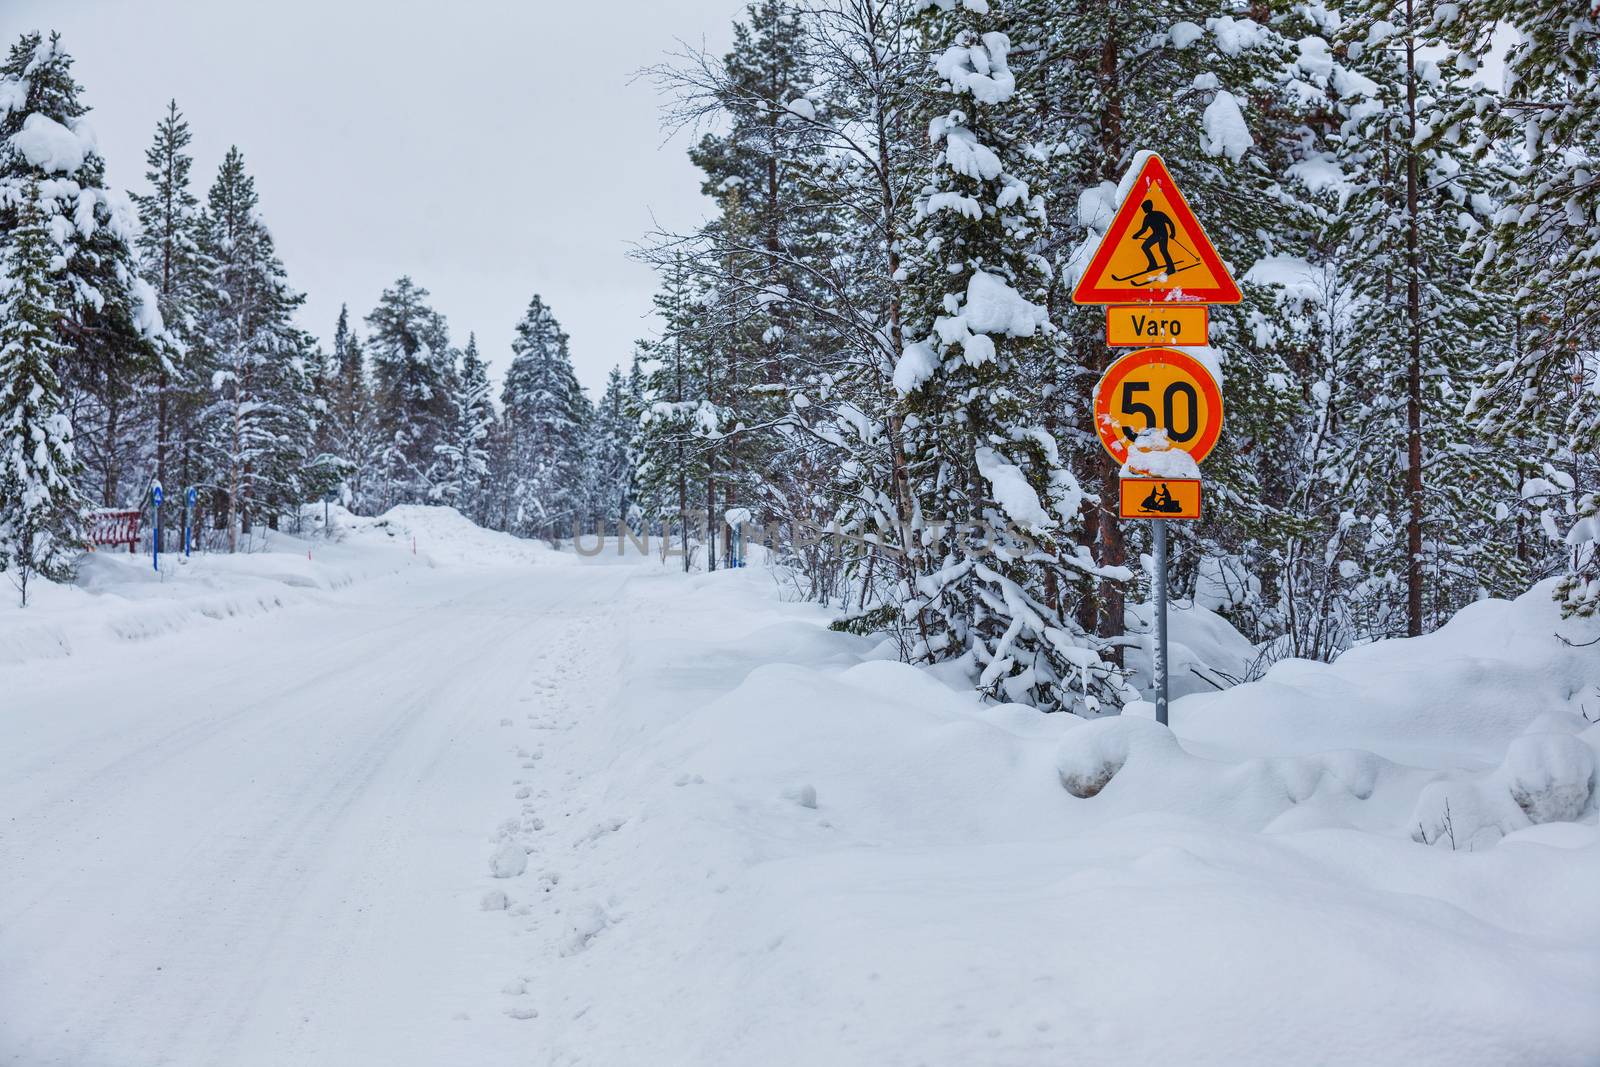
[{"x": 1155, "y": 171}]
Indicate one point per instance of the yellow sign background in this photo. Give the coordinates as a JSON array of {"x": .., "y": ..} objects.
[
  {"x": 1185, "y": 494},
  {"x": 1128, "y": 259},
  {"x": 1158, "y": 387}
]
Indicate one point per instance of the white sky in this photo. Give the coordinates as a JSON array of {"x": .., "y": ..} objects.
[{"x": 489, "y": 148}]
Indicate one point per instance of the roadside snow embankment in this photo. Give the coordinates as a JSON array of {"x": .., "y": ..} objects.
[
  {"x": 120, "y": 596},
  {"x": 807, "y": 852}
]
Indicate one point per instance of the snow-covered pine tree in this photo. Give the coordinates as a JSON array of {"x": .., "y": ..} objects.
[
  {"x": 40, "y": 508},
  {"x": 1542, "y": 132},
  {"x": 170, "y": 252},
  {"x": 1108, "y": 80},
  {"x": 109, "y": 318},
  {"x": 466, "y": 447},
  {"x": 611, "y": 452},
  {"x": 994, "y": 503},
  {"x": 670, "y": 459},
  {"x": 258, "y": 425},
  {"x": 546, "y": 413},
  {"x": 1409, "y": 460},
  {"x": 354, "y": 435},
  {"x": 758, "y": 257},
  {"x": 409, "y": 347}
]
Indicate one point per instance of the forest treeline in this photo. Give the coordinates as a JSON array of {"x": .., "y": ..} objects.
[{"x": 873, "y": 333}]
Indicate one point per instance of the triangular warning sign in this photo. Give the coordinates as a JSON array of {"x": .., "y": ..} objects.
[{"x": 1155, "y": 250}]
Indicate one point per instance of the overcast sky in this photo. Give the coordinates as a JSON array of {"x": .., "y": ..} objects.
[{"x": 491, "y": 149}]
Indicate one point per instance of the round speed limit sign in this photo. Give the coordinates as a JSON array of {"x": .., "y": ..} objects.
[{"x": 1158, "y": 387}]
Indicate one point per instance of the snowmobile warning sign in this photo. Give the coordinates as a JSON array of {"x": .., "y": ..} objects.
[
  {"x": 1158, "y": 388},
  {"x": 1160, "y": 498},
  {"x": 1155, "y": 250}
]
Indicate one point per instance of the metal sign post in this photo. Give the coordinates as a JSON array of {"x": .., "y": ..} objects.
[
  {"x": 155, "y": 538},
  {"x": 1158, "y": 666},
  {"x": 188, "y": 513},
  {"x": 1157, "y": 270}
]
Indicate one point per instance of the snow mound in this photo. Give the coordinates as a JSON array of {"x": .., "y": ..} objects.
[
  {"x": 120, "y": 596},
  {"x": 445, "y": 536},
  {"x": 1264, "y": 862},
  {"x": 508, "y": 860},
  {"x": 1455, "y": 698}
]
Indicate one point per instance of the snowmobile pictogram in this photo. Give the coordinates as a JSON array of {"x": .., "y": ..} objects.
[{"x": 1160, "y": 501}]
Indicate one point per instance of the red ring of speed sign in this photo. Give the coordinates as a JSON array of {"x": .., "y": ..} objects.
[{"x": 1158, "y": 387}]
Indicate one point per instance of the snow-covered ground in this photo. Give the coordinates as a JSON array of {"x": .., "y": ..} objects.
[{"x": 514, "y": 807}]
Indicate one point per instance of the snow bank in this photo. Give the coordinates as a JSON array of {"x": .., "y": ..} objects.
[
  {"x": 1454, "y": 698},
  {"x": 865, "y": 866},
  {"x": 444, "y": 535},
  {"x": 118, "y": 596}
]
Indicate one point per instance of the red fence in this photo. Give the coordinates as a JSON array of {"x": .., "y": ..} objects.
[{"x": 108, "y": 526}]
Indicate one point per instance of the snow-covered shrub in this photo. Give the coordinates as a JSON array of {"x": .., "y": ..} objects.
[
  {"x": 1092, "y": 754},
  {"x": 1550, "y": 776}
]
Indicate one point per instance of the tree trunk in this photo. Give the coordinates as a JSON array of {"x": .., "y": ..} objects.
[
  {"x": 1414, "y": 499},
  {"x": 1112, "y": 549}
]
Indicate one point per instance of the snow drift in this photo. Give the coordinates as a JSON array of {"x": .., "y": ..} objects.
[{"x": 823, "y": 855}]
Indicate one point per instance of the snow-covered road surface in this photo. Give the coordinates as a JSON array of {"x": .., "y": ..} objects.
[
  {"x": 730, "y": 837},
  {"x": 264, "y": 843}
]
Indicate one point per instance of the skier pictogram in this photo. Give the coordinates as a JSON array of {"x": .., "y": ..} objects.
[
  {"x": 1160, "y": 229},
  {"x": 1160, "y": 501},
  {"x": 1154, "y": 249}
]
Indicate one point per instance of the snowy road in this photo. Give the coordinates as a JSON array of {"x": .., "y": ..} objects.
[{"x": 265, "y": 843}]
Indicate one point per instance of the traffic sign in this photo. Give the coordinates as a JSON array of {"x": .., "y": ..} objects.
[
  {"x": 1163, "y": 324},
  {"x": 1160, "y": 498},
  {"x": 189, "y": 496},
  {"x": 1158, "y": 387},
  {"x": 1155, "y": 251}
]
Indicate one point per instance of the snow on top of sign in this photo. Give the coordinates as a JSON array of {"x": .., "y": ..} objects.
[{"x": 1153, "y": 455}]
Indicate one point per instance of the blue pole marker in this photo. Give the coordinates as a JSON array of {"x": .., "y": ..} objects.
[
  {"x": 155, "y": 542},
  {"x": 188, "y": 510}
]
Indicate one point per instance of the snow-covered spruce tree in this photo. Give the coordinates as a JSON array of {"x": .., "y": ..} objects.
[
  {"x": 1542, "y": 130},
  {"x": 40, "y": 509},
  {"x": 1411, "y": 466},
  {"x": 757, "y": 254},
  {"x": 611, "y": 454},
  {"x": 169, "y": 250},
  {"x": 109, "y": 317},
  {"x": 258, "y": 426},
  {"x": 409, "y": 346},
  {"x": 466, "y": 446},
  {"x": 670, "y": 460},
  {"x": 1107, "y": 80},
  {"x": 979, "y": 462},
  {"x": 354, "y": 435},
  {"x": 546, "y": 413}
]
